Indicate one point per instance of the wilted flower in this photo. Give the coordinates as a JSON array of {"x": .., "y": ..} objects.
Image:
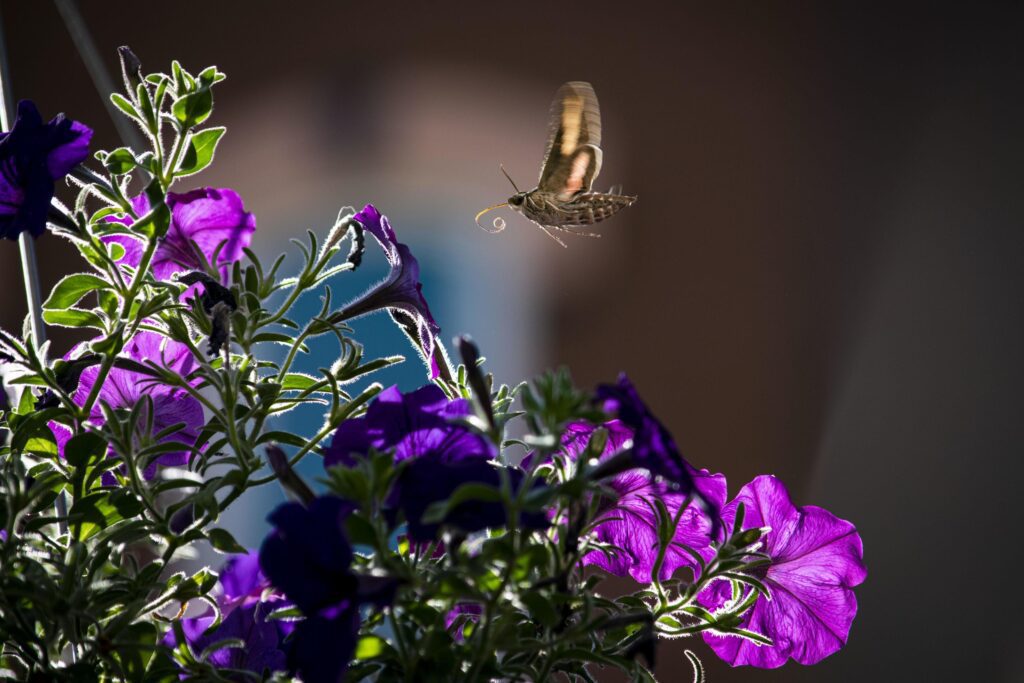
[
  {"x": 816, "y": 560},
  {"x": 209, "y": 216},
  {"x": 401, "y": 291},
  {"x": 33, "y": 155},
  {"x": 629, "y": 521},
  {"x": 653, "y": 447},
  {"x": 126, "y": 388}
]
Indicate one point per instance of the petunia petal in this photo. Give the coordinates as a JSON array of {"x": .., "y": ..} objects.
[{"x": 817, "y": 559}]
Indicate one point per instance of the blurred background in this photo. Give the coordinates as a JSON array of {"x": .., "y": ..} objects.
[{"x": 821, "y": 278}]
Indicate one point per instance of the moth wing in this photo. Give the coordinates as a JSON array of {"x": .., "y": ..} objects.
[
  {"x": 575, "y": 173},
  {"x": 573, "y": 155}
]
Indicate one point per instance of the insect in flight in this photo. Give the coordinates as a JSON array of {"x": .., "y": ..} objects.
[{"x": 563, "y": 201}]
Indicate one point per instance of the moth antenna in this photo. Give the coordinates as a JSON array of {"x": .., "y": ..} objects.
[
  {"x": 502, "y": 167},
  {"x": 498, "y": 223}
]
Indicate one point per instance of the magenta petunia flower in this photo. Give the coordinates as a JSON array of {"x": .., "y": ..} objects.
[
  {"x": 653, "y": 447},
  {"x": 630, "y": 522},
  {"x": 125, "y": 388},
  {"x": 33, "y": 156},
  {"x": 401, "y": 291},
  {"x": 209, "y": 216},
  {"x": 817, "y": 559}
]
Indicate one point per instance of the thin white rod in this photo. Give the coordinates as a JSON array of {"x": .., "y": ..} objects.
[{"x": 27, "y": 247}]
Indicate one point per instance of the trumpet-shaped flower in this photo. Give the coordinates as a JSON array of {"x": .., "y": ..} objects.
[
  {"x": 33, "y": 156},
  {"x": 123, "y": 389},
  {"x": 414, "y": 424},
  {"x": 401, "y": 292},
  {"x": 214, "y": 219},
  {"x": 816, "y": 560},
  {"x": 629, "y": 520},
  {"x": 245, "y": 601}
]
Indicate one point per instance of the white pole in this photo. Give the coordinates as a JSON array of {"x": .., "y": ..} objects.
[{"x": 26, "y": 244}]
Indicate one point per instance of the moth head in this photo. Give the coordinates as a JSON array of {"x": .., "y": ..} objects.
[{"x": 517, "y": 199}]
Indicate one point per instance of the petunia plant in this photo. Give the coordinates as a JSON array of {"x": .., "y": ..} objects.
[{"x": 432, "y": 547}]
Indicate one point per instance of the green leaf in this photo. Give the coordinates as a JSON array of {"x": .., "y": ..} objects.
[
  {"x": 154, "y": 223},
  {"x": 83, "y": 449},
  {"x": 42, "y": 443},
  {"x": 369, "y": 647},
  {"x": 298, "y": 381},
  {"x": 201, "y": 148},
  {"x": 224, "y": 542},
  {"x": 73, "y": 317},
  {"x": 120, "y": 161},
  {"x": 122, "y": 103},
  {"x": 541, "y": 609},
  {"x": 467, "y": 492},
  {"x": 134, "y": 648},
  {"x": 193, "y": 108},
  {"x": 70, "y": 290}
]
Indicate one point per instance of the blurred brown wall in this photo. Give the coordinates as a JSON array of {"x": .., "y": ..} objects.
[{"x": 821, "y": 277}]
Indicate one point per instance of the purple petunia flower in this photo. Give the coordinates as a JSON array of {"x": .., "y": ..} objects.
[
  {"x": 653, "y": 447},
  {"x": 465, "y": 613},
  {"x": 308, "y": 557},
  {"x": 33, "y": 156},
  {"x": 415, "y": 424},
  {"x": 418, "y": 426},
  {"x": 401, "y": 291},
  {"x": 125, "y": 388},
  {"x": 209, "y": 216},
  {"x": 629, "y": 521},
  {"x": 816, "y": 560},
  {"x": 430, "y": 479},
  {"x": 245, "y": 601},
  {"x": 262, "y": 650}
]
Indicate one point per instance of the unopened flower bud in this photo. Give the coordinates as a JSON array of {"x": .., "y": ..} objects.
[
  {"x": 477, "y": 382},
  {"x": 131, "y": 69},
  {"x": 290, "y": 481}
]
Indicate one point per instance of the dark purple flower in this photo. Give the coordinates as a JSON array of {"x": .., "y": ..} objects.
[
  {"x": 415, "y": 424},
  {"x": 816, "y": 560},
  {"x": 308, "y": 557},
  {"x": 126, "y": 388},
  {"x": 629, "y": 520},
  {"x": 653, "y": 448},
  {"x": 430, "y": 479},
  {"x": 245, "y": 602},
  {"x": 401, "y": 291},
  {"x": 322, "y": 646},
  {"x": 33, "y": 155},
  {"x": 209, "y": 216}
]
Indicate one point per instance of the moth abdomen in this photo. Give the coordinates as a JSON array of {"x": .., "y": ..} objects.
[{"x": 594, "y": 207}]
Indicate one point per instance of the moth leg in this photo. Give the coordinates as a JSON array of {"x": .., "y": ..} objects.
[
  {"x": 575, "y": 230},
  {"x": 550, "y": 234},
  {"x": 582, "y": 233},
  {"x": 615, "y": 189}
]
